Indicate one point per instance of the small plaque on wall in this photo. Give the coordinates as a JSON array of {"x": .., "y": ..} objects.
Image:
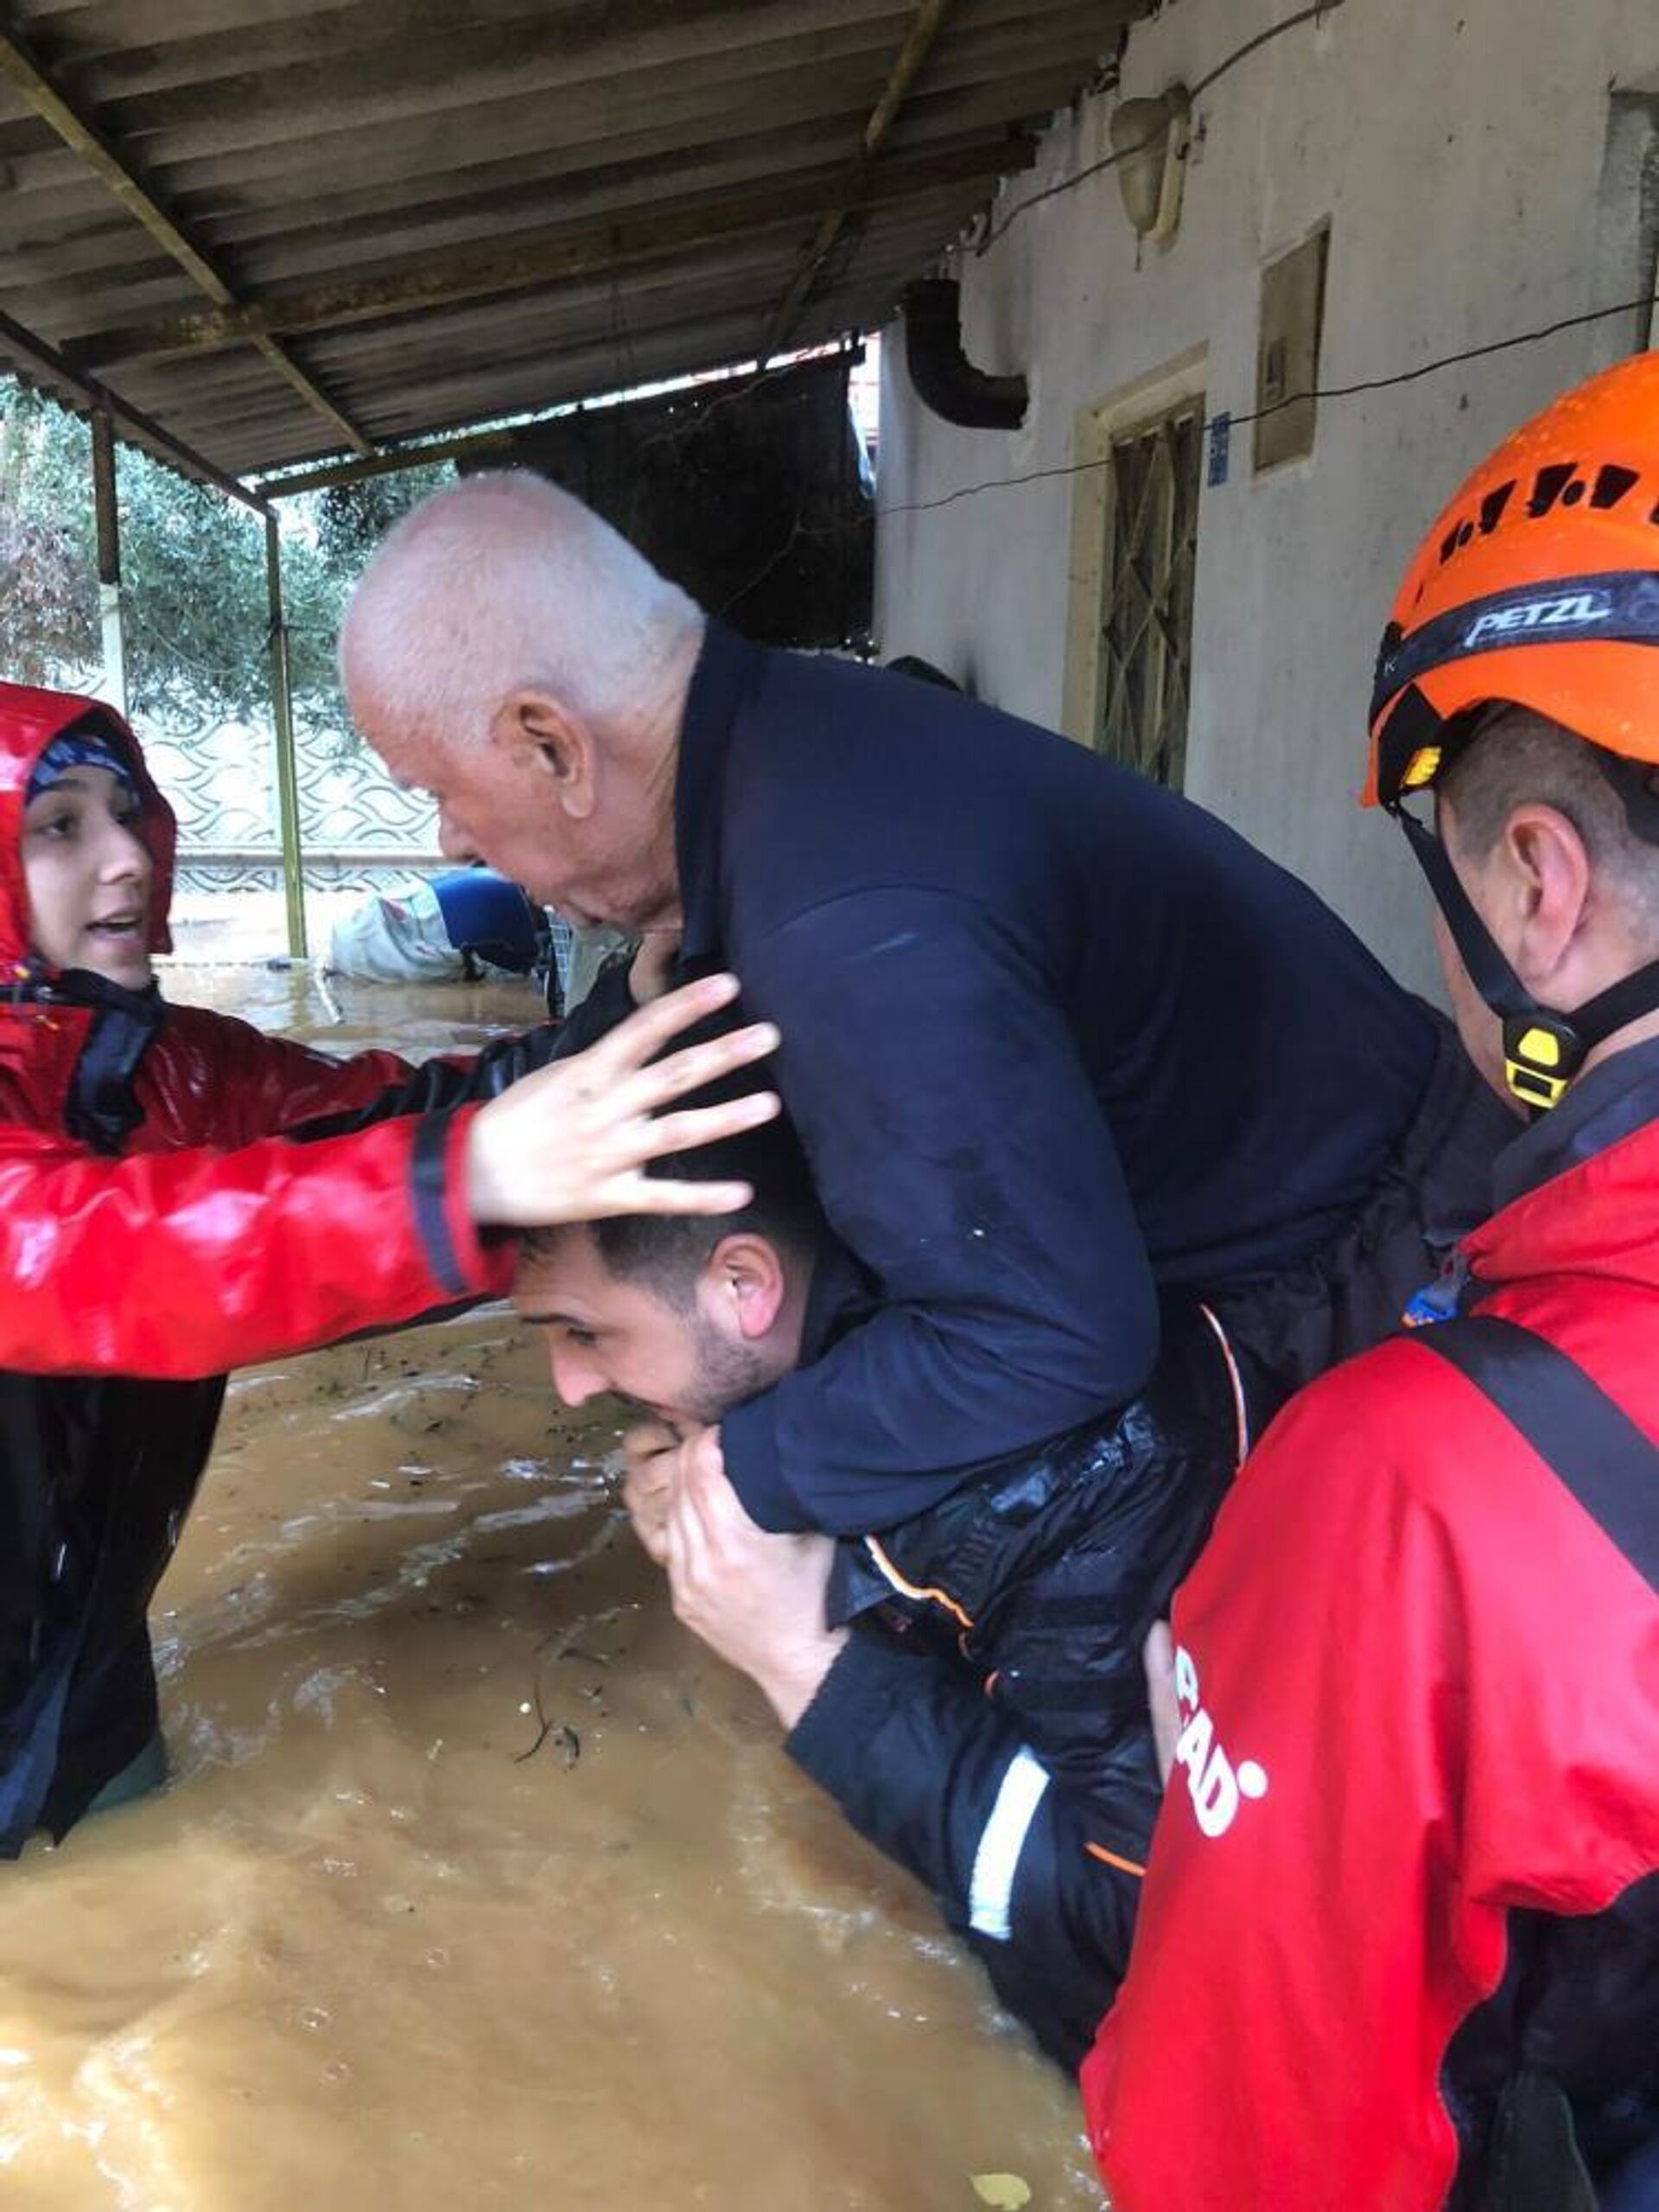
[
  {"x": 1220, "y": 434},
  {"x": 1288, "y": 351}
]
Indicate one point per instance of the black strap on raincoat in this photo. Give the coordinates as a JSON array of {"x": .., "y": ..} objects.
[
  {"x": 1610, "y": 1465},
  {"x": 1532, "y": 2160}
]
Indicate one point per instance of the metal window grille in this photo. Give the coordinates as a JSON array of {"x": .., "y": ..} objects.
[{"x": 1147, "y": 621}]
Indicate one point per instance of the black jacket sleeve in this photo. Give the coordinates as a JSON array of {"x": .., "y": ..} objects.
[
  {"x": 962, "y": 1155},
  {"x": 1042, "y": 1882}
]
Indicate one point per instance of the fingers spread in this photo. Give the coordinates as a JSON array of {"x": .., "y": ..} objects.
[
  {"x": 648, "y": 1029},
  {"x": 694, "y": 1125},
  {"x": 647, "y": 1194},
  {"x": 698, "y": 1064}
]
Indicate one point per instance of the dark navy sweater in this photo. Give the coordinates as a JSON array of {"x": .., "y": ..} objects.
[{"x": 1052, "y": 1037}]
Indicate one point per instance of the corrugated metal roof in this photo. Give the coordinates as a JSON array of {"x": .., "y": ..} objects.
[{"x": 273, "y": 231}]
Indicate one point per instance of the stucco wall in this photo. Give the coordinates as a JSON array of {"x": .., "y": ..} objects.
[{"x": 1461, "y": 153}]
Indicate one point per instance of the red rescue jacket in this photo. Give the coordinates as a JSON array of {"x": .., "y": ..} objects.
[
  {"x": 178, "y": 1194},
  {"x": 1418, "y": 1780}
]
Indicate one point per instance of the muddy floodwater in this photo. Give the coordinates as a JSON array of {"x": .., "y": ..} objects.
[{"x": 478, "y": 1883}]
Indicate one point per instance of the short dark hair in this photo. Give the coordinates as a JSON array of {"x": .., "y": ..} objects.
[
  {"x": 1510, "y": 757},
  {"x": 666, "y": 1253}
]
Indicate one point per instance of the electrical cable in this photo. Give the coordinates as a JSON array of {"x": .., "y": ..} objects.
[
  {"x": 1311, "y": 14},
  {"x": 796, "y": 531},
  {"x": 1318, "y": 392}
]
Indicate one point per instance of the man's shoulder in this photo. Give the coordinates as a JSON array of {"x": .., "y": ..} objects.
[
  {"x": 1395, "y": 1427},
  {"x": 1402, "y": 1431},
  {"x": 819, "y": 708},
  {"x": 843, "y": 778},
  {"x": 1391, "y": 1393}
]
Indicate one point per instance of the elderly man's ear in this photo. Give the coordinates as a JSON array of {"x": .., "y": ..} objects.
[
  {"x": 536, "y": 729},
  {"x": 745, "y": 1280}
]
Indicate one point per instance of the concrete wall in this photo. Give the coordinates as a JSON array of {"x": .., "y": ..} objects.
[{"x": 1477, "y": 162}]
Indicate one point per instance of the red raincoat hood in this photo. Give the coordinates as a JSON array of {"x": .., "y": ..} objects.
[{"x": 29, "y": 719}]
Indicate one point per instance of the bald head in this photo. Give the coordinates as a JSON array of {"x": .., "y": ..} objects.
[
  {"x": 504, "y": 581},
  {"x": 508, "y": 651}
]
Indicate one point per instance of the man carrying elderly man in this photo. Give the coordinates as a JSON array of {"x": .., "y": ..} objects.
[
  {"x": 1118, "y": 1135},
  {"x": 690, "y": 1319}
]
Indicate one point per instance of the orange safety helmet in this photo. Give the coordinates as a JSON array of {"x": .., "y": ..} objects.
[{"x": 1539, "y": 584}]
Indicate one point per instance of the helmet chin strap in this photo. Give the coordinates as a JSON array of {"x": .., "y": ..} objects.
[{"x": 1543, "y": 1050}]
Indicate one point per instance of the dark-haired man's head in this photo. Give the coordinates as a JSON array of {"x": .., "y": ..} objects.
[{"x": 688, "y": 1316}]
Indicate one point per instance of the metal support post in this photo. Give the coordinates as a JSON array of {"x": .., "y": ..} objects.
[
  {"x": 109, "y": 561},
  {"x": 288, "y": 789}
]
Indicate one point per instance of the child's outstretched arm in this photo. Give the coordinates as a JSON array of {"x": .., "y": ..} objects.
[{"x": 184, "y": 1263}]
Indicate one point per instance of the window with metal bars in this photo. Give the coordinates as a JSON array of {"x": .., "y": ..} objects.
[{"x": 1146, "y": 639}]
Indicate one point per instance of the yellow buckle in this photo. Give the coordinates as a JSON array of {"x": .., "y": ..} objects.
[
  {"x": 1535, "y": 1065},
  {"x": 1532, "y": 1087}
]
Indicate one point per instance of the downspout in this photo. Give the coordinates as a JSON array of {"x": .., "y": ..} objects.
[{"x": 944, "y": 379}]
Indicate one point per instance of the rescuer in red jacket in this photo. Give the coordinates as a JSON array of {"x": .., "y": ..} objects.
[
  {"x": 1399, "y": 1942},
  {"x": 179, "y": 1193}
]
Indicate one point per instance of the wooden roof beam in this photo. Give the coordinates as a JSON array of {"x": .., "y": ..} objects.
[
  {"x": 925, "y": 26},
  {"x": 99, "y": 154}
]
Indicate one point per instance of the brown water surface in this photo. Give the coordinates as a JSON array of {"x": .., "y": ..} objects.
[{"x": 479, "y": 1882}]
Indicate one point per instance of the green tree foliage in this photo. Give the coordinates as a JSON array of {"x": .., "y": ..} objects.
[
  {"x": 49, "y": 598},
  {"x": 351, "y": 519},
  {"x": 193, "y": 573}
]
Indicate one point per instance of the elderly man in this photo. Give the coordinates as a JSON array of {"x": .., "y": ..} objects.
[
  {"x": 1005, "y": 1757},
  {"x": 1055, "y": 1040}
]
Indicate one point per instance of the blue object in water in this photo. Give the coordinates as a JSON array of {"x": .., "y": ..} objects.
[{"x": 489, "y": 916}]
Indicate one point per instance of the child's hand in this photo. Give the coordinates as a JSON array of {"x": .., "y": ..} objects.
[{"x": 571, "y": 1141}]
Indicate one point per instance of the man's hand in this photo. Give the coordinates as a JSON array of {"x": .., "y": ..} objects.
[
  {"x": 648, "y": 1454},
  {"x": 755, "y": 1598},
  {"x": 1158, "y": 1656},
  {"x": 571, "y": 1141}
]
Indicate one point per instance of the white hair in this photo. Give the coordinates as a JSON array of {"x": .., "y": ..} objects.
[{"x": 504, "y": 581}]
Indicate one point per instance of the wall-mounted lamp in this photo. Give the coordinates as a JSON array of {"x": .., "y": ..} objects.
[{"x": 1149, "y": 139}]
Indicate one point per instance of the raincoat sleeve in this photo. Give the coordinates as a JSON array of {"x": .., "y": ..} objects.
[
  {"x": 257, "y": 1085},
  {"x": 1392, "y": 1664},
  {"x": 323, "y": 1198},
  {"x": 183, "y": 1264}
]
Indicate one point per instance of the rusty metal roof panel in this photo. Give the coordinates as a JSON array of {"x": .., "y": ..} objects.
[{"x": 279, "y": 230}]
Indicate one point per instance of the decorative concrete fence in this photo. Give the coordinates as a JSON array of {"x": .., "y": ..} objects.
[{"x": 358, "y": 830}]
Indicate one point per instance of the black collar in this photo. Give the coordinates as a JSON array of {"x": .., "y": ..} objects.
[
  {"x": 727, "y": 668},
  {"x": 1609, "y": 1102},
  {"x": 840, "y": 1294}
]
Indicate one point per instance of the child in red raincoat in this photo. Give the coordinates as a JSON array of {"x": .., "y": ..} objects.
[{"x": 180, "y": 1193}]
